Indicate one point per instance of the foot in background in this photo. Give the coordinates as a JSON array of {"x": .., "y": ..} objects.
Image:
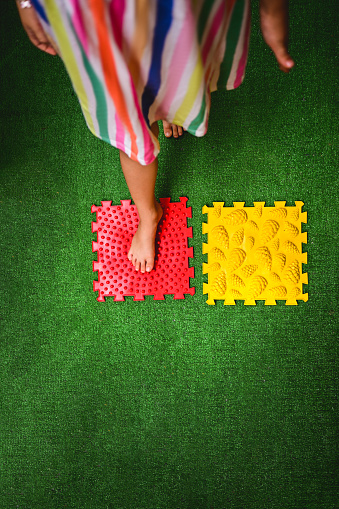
[{"x": 172, "y": 129}]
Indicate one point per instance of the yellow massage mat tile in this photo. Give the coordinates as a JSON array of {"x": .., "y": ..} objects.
[{"x": 255, "y": 253}]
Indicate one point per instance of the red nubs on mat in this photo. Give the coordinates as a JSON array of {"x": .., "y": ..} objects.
[{"x": 115, "y": 227}]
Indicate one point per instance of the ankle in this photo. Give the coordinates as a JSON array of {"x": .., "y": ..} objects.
[{"x": 150, "y": 216}]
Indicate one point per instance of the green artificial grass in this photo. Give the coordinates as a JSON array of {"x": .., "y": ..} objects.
[{"x": 167, "y": 404}]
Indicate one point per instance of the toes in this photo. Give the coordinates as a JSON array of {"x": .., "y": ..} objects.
[
  {"x": 172, "y": 129},
  {"x": 149, "y": 265},
  {"x": 130, "y": 256},
  {"x": 145, "y": 266},
  {"x": 167, "y": 128}
]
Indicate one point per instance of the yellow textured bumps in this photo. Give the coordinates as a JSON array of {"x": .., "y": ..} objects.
[
  {"x": 236, "y": 258},
  {"x": 279, "y": 261},
  {"x": 291, "y": 229},
  {"x": 214, "y": 267},
  {"x": 290, "y": 247},
  {"x": 221, "y": 236},
  {"x": 250, "y": 243},
  {"x": 269, "y": 230},
  {"x": 278, "y": 292},
  {"x": 217, "y": 211},
  {"x": 218, "y": 254},
  {"x": 219, "y": 284},
  {"x": 256, "y": 286},
  {"x": 252, "y": 226},
  {"x": 264, "y": 257},
  {"x": 279, "y": 212},
  {"x": 235, "y": 218},
  {"x": 248, "y": 270},
  {"x": 275, "y": 244},
  {"x": 238, "y": 237},
  {"x": 275, "y": 277},
  {"x": 292, "y": 272},
  {"x": 236, "y": 281},
  {"x": 255, "y": 253}
]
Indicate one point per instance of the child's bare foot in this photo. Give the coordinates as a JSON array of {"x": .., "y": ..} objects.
[
  {"x": 172, "y": 129},
  {"x": 142, "y": 251}
]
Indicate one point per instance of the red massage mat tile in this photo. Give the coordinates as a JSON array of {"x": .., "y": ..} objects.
[{"x": 115, "y": 227}]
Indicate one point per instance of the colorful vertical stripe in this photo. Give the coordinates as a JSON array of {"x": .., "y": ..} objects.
[{"x": 134, "y": 62}]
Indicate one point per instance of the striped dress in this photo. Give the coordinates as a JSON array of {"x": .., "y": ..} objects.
[{"x": 134, "y": 62}]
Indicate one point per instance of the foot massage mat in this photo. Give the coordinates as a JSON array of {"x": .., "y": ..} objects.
[
  {"x": 116, "y": 226},
  {"x": 255, "y": 253}
]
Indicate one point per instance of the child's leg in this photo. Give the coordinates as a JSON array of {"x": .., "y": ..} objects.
[{"x": 141, "y": 183}]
